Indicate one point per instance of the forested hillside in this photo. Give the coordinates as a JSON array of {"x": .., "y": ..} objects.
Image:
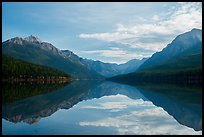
[{"x": 15, "y": 68}]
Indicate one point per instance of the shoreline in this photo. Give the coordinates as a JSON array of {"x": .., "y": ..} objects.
[{"x": 38, "y": 79}]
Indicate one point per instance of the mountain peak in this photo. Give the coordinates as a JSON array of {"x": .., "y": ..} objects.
[
  {"x": 188, "y": 37},
  {"x": 195, "y": 29},
  {"x": 16, "y": 40},
  {"x": 33, "y": 38}
]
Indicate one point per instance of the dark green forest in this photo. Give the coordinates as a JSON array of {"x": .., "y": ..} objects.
[{"x": 21, "y": 70}]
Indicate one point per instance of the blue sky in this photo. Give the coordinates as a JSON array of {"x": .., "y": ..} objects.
[{"x": 110, "y": 32}]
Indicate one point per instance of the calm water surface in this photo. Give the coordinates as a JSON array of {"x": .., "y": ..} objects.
[{"x": 88, "y": 107}]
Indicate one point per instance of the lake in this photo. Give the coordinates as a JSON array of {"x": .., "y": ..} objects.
[{"x": 101, "y": 108}]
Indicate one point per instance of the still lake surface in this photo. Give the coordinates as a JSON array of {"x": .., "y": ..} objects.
[{"x": 103, "y": 107}]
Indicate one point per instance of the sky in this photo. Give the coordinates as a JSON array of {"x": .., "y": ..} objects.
[{"x": 113, "y": 32}]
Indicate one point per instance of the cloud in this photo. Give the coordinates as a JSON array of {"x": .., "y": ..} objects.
[
  {"x": 115, "y": 52},
  {"x": 108, "y": 36},
  {"x": 155, "y": 17},
  {"x": 187, "y": 16},
  {"x": 107, "y": 53}
]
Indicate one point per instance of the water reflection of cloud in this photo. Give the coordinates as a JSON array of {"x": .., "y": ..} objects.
[
  {"x": 118, "y": 103},
  {"x": 149, "y": 119}
]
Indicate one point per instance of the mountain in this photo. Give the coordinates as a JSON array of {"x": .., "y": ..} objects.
[
  {"x": 112, "y": 69},
  {"x": 186, "y": 43},
  {"x": 32, "y": 49},
  {"x": 180, "y": 63}
]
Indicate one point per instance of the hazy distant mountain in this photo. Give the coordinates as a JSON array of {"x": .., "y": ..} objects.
[
  {"x": 187, "y": 43},
  {"x": 131, "y": 65},
  {"x": 105, "y": 69},
  {"x": 32, "y": 49},
  {"x": 112, "y": 69}
]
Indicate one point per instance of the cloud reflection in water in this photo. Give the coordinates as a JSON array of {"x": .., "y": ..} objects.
[{"x": 142, "y": 118}]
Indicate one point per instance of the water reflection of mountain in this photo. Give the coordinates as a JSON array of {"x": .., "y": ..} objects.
[
  {"x": 108, "y": 88},
  {"x": 183, "y": 104},
  {"x": 31, "y": 109}
]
